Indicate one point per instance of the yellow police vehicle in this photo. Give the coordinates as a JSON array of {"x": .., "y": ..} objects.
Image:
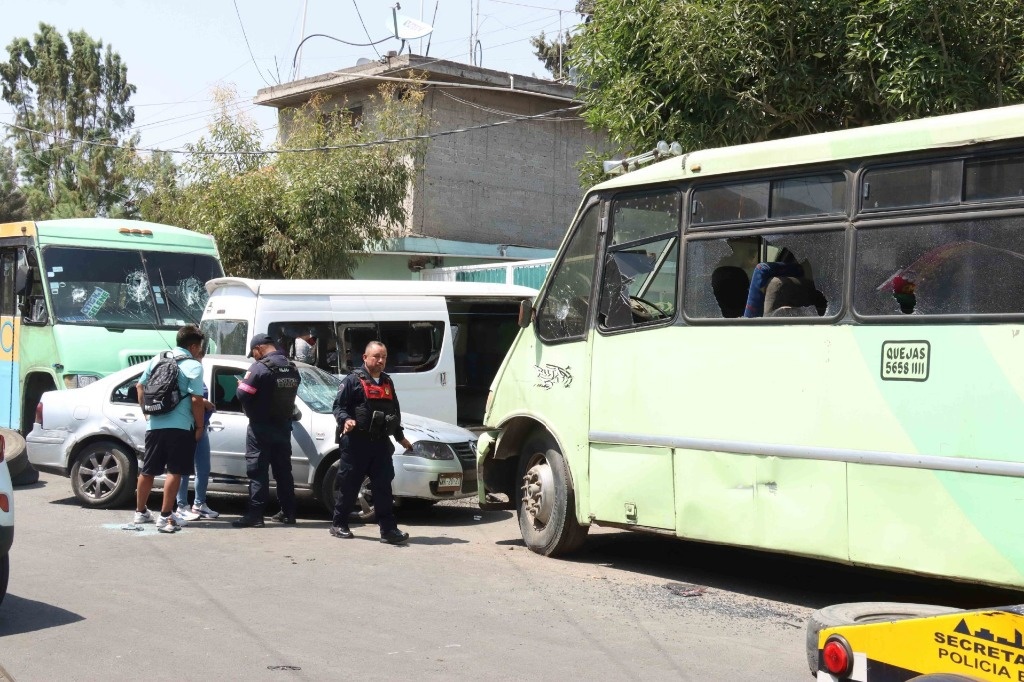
[{"x": 889, "y": 642}]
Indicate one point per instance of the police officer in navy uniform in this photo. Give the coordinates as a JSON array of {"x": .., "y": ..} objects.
[
  {"x": 368, "y": 416},
  {"x": 267, "y": 393}
]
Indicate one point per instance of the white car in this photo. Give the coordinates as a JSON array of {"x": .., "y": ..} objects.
[{"x": 96, "y": 435}]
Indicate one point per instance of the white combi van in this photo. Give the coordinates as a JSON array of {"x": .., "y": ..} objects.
[{"x": 445, "y": 340}]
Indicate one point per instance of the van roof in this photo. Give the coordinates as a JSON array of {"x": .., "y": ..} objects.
[{"x": 369, "y": 287}]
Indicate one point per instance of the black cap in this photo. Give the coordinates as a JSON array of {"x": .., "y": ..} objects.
[{"x": 259, "y": 340}]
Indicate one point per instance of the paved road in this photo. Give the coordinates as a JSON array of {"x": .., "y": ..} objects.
[{"x": 465, "y": 599}]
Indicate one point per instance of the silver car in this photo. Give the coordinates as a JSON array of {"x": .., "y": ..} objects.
[{"x": 96, "y": 434}]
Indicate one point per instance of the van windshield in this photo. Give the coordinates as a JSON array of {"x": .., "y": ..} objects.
[{"x": 226, "y": 337}]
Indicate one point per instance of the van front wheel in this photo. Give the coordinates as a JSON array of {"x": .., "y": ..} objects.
[{"x": 547, "y": 504}]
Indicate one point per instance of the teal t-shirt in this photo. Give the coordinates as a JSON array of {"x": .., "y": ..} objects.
[{"x": 190, "y": 383}]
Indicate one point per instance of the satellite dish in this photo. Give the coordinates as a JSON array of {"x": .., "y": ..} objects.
[
  {"x": 407, "y": 28},
  {"x": 363, "y": 60}
]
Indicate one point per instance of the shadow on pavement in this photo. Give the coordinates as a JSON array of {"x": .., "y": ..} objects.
[
  {"x": 797, "y": 580},
  {"x": 19, "y": 615}
]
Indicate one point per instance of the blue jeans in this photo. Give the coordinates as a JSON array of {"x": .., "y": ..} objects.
[
  {"x": 202, "y": 473},
  {"x": 763, "y": 274}
]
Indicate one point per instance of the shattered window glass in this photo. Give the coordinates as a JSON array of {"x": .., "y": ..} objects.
[
  {"x": 563, "y": 312},
  {"x": 121, "y": 288},
  {"x": 957, "y": 268},
  {"x": 776, "y": 275},
  {"x": 639, "y": 278}
]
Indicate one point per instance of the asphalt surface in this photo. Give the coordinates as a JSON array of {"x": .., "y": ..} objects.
[{"x": 463, "y": 600}]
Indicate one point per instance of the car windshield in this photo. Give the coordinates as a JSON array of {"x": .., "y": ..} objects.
[
  {"x": 318, "y": 389},
  {"x": 122, "y": 288}
]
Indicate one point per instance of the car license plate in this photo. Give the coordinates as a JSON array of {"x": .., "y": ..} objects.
[{"x": 449, "y": 482}]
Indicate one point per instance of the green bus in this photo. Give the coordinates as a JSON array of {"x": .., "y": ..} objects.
[
  {"x": 810, "y": 346},
  {"x": 82, "y": 298}
]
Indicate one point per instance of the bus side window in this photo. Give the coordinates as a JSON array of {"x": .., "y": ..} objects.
[{"x": 8, "y": 294}]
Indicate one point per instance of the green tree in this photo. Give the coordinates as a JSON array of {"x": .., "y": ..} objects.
[
  {"x": 719, "y": 72},
  {"x": 13, "y": 205},
  {"x": 297, "y": 214},
  {"x": 555, "y": 52},
  {"x": 63, "y": 92}
]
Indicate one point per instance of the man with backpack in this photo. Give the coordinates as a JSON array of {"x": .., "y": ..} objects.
[
  {"x": 267, "y": 393},
  {"x": 170, "y": 392}
]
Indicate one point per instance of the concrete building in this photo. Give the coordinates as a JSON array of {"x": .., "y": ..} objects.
[{"x": 496, "y": 193}]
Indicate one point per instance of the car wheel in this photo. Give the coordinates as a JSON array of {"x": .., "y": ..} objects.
[
  {"x": 363, "y": 511},
  {"x": 859, "y": 613},
  {"x": 547, "y": 504},
  {"x": 15, "y": 453},
  {"x": 103, "y": 475},
  {"x": 5, "y": 573}
]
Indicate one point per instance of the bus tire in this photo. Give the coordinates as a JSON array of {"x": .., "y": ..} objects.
[
  {"x": 547, "y": 503},
  {"x": 364, "y": 511},
  {"x": 104, "y": 475},
  {"x": 862, "y": 612},
  {"x": 15, "y": 453}
]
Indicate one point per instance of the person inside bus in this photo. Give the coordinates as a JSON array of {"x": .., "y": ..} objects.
[
  {"x": 763, "y": 275},
  {"x": 730, "y": 285}
]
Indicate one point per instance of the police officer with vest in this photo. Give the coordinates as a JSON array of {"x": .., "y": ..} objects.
[
  {"x": 368, "y": 416},
  {"x": 267, "y": 393}
]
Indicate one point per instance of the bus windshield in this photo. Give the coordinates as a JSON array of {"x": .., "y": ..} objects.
[{"x": 127, "y": 288}]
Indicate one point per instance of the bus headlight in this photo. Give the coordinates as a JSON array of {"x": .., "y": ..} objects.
[
  {"x": 79, "y": 380},
  {"x": 429, "y": 449}
]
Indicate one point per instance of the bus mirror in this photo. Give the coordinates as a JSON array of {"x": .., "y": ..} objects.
[
  {"x": 525, "y": 313},
  {"x": 31, "y": 257}
]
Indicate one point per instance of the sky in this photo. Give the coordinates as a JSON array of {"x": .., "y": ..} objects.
[{"x": 178, "y": 51}]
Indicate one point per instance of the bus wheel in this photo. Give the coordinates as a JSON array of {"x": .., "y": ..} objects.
[
  {"x": 103, "y": 475},
  {"x": 858, "y": 613},
  {"x": 547, "y": 504},
  {"x": 363, "y": 512}
]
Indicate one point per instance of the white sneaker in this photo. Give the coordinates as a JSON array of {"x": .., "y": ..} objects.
[
  {"x": 185, "y": 515},
  {"x": 204, "y": 512},
  {"x": 168, "y": 524},
  {"x": 143, "y": 517}
]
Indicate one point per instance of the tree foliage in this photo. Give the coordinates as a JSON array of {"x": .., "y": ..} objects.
[
  {"x": 294, "y": 214},
  {"x": 720, "y": 72},
  {"x": 67, "y": 91},
  {"x": 555, "y": 52},
  {"x": 13, "y": 205}
]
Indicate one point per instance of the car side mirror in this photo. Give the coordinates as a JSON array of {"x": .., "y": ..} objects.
[{"x": 525, "y": 313}]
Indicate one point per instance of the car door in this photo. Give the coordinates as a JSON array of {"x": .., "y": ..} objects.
[
  {"x": 123, "y": 411},
  {"x": 228, "y": 423}
]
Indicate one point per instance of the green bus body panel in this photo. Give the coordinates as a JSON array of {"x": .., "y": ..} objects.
[
  {"x": 89, "y": 232},
  {"x": 77, "y": 347},
  {"x": 815, "y": 386}
]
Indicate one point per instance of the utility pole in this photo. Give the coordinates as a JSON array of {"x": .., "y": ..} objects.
[{"x": 302, "y": 36}]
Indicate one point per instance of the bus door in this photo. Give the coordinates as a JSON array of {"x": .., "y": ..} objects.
[
  {"x": 632, "y": 480},
  {"x": 10, "y": 384}
]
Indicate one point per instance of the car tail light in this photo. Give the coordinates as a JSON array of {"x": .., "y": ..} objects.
[
  {"x": 837, "y": 656},
  {"x": 5, "y": 503},
  {"x": 39, "y": 413}
]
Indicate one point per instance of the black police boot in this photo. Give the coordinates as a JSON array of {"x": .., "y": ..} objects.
[
  {"x": 281, "y": 517},
  {"x": 341, "y": 532},
  {"x": 394, "y": 537},
  {"x": 248, "y": 522}
]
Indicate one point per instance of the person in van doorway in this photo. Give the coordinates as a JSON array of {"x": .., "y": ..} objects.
[
  {"x": 199, "y": 509},
  {"x": 305, "y": 347},
  {"x": 368, "y": 416},
  {"x": 267, "y": 393},
  {"x": 171, "y": 435}
]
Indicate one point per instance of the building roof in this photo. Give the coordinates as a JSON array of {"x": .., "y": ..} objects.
[{"x": 436, "y": 70}]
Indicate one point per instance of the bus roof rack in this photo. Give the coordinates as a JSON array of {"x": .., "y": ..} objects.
[{"x": 661, "y": 150}]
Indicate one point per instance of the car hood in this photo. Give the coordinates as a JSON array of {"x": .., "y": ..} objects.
[{"x": 425, "y": 428}]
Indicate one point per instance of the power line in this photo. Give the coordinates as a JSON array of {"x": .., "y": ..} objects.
[
  {"x": 365, "y": 30},
  {"x": 242, "y": 26},
  {"x": 354, "y": 145}
]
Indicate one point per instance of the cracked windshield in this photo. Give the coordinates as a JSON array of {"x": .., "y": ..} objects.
[{"x": 120, "y": 288}]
